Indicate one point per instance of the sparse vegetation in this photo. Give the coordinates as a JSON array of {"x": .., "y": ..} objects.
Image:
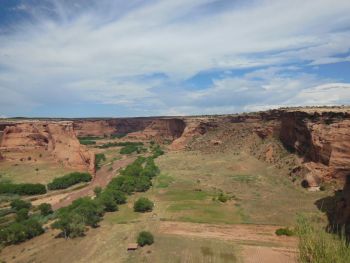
[
  {"x": 123, "y": 144},
  {"x": 145, "y": 238},
  {"x": 69, "y": 180},
  {"x": 316, "y": 245},
  {"x": 143, "y": 205},
  {"x": 99, "y": 159},
  {"x": 284, "y": 232}
]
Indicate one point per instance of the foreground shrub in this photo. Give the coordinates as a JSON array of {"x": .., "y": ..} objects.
[
  {"x": 143, "y": 205},
  {"x": 316, "y": 245},
  {"x": 223, "y": 198},
  {"x": 145, "y": 238},
  {"x": 20, "y": 231},
  {"x": 69, "y": 180},
  {"x": 19, "y": 204},
  {"x": 284, "y": 232},
  {"x": 45, "y": 209},
  {"x": 22, "y": 189}
]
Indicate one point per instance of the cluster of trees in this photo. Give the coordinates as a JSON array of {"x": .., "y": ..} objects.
[
  {"x": 68, "y": 180},
  {"x": 137, "y": 176},
  {"x": 24, "y": 228},
  {"x": 83, "y": 212},
  {"x": 22, "y": 189},
  {"x": 131, "y": 149},
  {"x": 99, "y": 159},
  {"x": 73, "y": 219}
]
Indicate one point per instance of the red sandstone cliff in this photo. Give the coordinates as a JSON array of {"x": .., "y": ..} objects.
[
  {"x": 58, "y": 138},
  {"x": 161, "y": 130}
]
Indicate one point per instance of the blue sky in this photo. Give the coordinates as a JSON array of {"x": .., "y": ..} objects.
[{"x": 86, "y": 58}]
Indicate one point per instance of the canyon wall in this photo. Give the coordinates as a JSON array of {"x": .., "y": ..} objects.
[
  {"x": 57, "y": 138},
  {"x": 321, "y": 139}
]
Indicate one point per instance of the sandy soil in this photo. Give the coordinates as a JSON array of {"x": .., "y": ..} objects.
[{"x": 259, "y": 242}]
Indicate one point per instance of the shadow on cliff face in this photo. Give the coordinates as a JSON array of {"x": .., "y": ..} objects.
[{"x": 337, "y": 209}]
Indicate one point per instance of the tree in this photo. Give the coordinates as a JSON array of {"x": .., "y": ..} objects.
[
  {"x": 143, "y": 205},
  {"x": 97, "y": 191},
  {"x": 18, "y": 204},
  {"x": 22, "y": 214},
  {"x": 71, "y": 224},
  {"x": 107, "y": 200},
  {"x": 145, "y": 238},
  {"x": 45, "y": 209}
]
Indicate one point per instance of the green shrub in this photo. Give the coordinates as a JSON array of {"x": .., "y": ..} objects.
[
  {"x": 22, "y": 214},
  {"x": 97, "y": 191},
  {"x": 284, "y": 232},
  {"x": 69, "y": 180},
  {"x": 45, "y": 209},
  {"x": 223, "y": 198},
  {"x": 157, "y": 151},
  {"x": 143, "y": 205},
  {"x": 129, "y": 149},
  {"x": 22, "y": 189},
  {"x": 99, "y": 159},
  {"x": 145, "y": 238},
  {"x": 19, "y": 204},
  {"x": 115, "y": 144},
  {"x": 108, "y": 202},
  {"x": 20, "y": 231}
]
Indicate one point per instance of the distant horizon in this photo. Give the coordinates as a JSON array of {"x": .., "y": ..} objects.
[
  {"x": 177, "y": 57},
  {"x": 177, "y": 116}
]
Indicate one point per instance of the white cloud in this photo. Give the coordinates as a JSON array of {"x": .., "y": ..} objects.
[{"x": 98, "y": 54}]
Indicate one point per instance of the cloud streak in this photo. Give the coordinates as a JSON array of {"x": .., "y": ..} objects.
[{"x": 112, "y": 52}]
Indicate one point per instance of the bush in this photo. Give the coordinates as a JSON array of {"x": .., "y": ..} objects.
[
  {"x": 145, "y": 238},
  {"x": 45, "y": 209},
  {"x": 108, "y": 202},
  {"x": 97, "y": 191},
  {"x": 19, "y": 204},
  {"x": 20, "y": 231},
  {"x": 22, "y": 214},
  {"x": 143, "y": 205},
  {"x": 69, "y": 180},
  {"x": 284, "y": 232},
  {"x": 99, "y": 158},
  {"x": 222, "y": 198},
  {"x": 157, "y": 151},
  {"x": 129, "y": 149},
  {"x": 22, "y": 189}
]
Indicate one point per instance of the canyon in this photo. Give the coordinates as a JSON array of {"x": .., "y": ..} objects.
[{"x": 313, "y": 143}]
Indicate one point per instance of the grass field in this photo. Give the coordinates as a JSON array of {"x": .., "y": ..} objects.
[{"x": 261, "y": 194}]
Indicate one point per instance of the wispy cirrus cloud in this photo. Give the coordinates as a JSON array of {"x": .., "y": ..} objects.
[{"x": 139, "y": 54}]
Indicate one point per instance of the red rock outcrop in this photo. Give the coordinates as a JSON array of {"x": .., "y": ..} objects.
[
  {"x": 194, "y": 127},
  {"x": 58, "y": 138},
  {"x": 323, "y": 140},
  {"x": 161, "y": 130}
]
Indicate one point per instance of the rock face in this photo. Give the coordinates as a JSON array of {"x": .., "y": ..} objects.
[
  {"x": 193, "y": 128},
  {"x": 323, "y": 140},
  {"x": 58, "y": 138},
  {"x": 161, "y": 130}
]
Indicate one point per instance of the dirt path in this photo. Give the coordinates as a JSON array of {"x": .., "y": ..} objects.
[
  {"x": 259, "y": 242},
  {"x": 101, "y": 179}
]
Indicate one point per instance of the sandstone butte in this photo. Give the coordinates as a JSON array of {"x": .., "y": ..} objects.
[{"x": 319, "y": 137}]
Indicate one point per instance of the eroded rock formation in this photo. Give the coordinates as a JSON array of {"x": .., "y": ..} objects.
[{"x": 57, "y": 138}]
